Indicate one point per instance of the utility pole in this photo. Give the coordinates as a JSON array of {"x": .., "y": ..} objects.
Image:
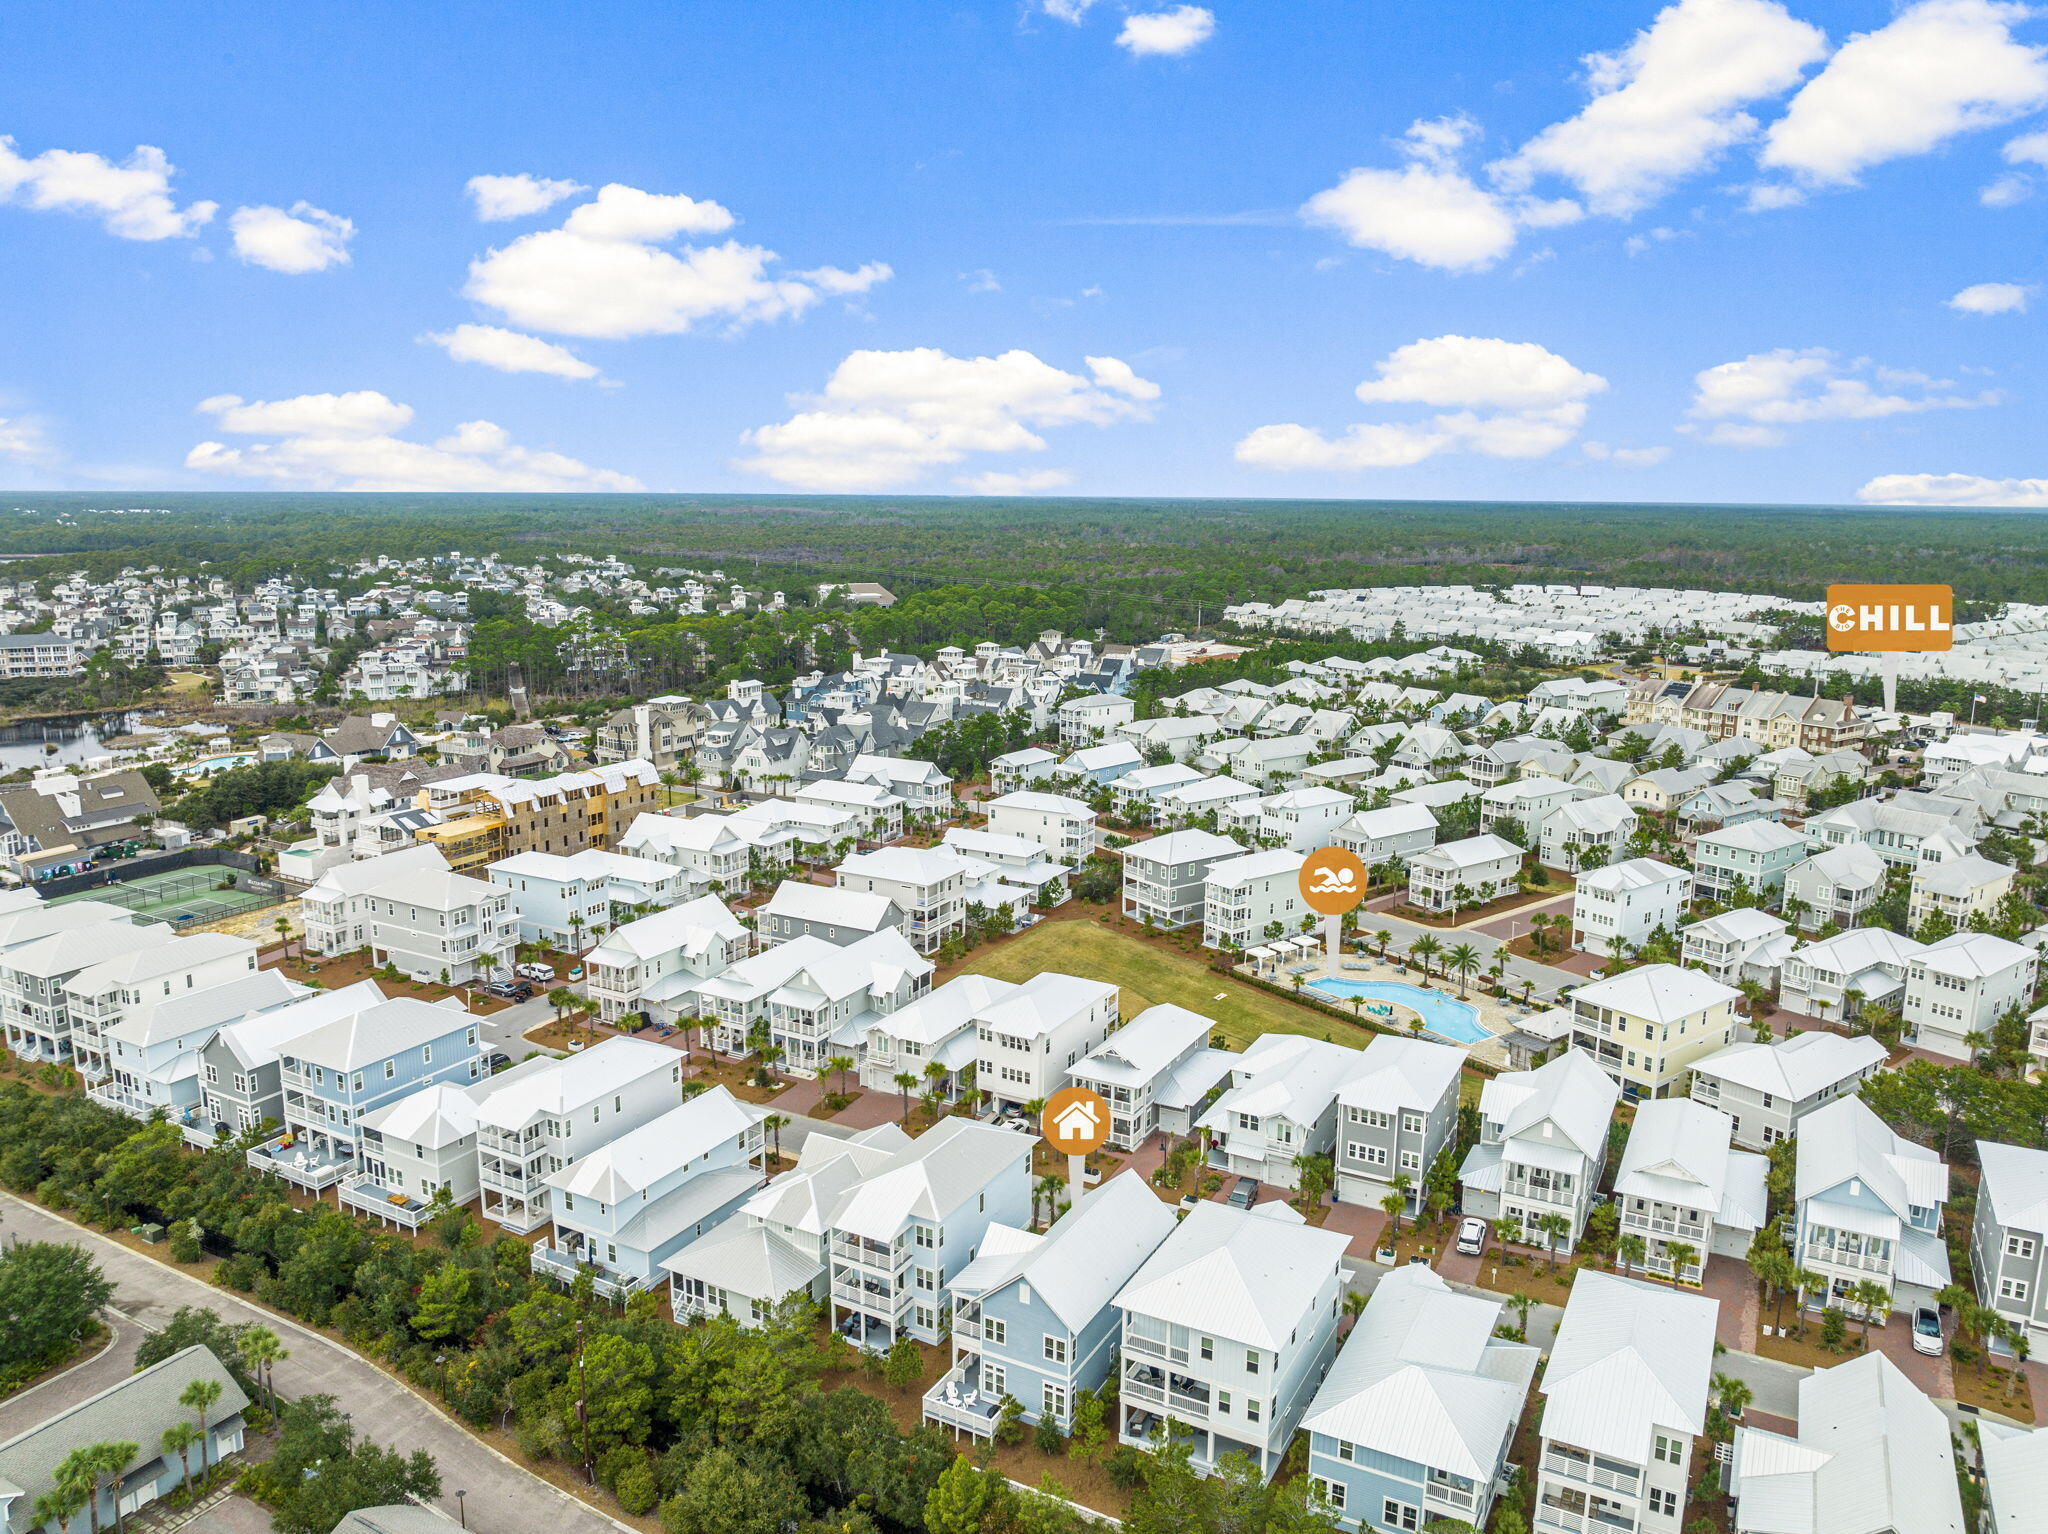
[{"x": 583, "y": 1404}]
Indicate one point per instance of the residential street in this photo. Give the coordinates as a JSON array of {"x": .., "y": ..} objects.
[
  {"x": 111, "y": 1365},
  {"x": 502, "y": 1498},
  {"x": 1549, "y": 979}
]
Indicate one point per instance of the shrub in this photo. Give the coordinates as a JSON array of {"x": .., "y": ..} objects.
[{"x": 635, "y": 1489}]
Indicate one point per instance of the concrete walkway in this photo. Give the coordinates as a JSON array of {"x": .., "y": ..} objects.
[
  {"x": 502, "y": 1497},
  {"x": 111, "y": 1364}
]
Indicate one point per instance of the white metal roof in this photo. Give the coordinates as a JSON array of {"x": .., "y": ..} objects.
[
  {"x": 1402, "y": 1073},
  {"x": 931, "y": 1177},
  {"x": 1250, "y": 1275},
  {"x": 377, "y": 1033},
  {"x": 1804, "y": 1064},
  {"x": 1845, "y": 1141},
  {"x": 1422, "y": 1378},
  {"x": 2015, "y": 1181},
  {"x": 642, "y": 1157},
  {"x": 573, "y": 1082},
  {"x": 1662, "y": 993},
  {"x": 1152, "y": 1042},
  {"x": 1629, "y": 1358},
  {"x": 1088, "y": 1254}
]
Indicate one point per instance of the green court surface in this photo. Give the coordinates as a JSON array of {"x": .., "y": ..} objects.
[{"x": 182, "y": 897}]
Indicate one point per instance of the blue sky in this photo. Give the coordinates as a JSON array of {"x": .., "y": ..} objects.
[{"x": 1271, "y": 248}]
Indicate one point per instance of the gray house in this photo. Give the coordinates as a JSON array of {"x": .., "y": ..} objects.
[
  {"x": 840, "y": 916},
  {"x": 137, "y": 1410},
  {"x": 2009, "y": 1241},
  {"x": 1767, "y": 1088},
  {"x": 1396, "y": 1117},
  {"x": 1164, "y": 878},
  {"x": 242, "y": 1079}
]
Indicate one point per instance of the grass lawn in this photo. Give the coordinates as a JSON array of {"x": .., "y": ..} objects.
[{"x": 1149, "y": 972}]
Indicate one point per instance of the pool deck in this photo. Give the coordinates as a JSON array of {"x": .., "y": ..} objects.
[{"x": 1495, "y": 1017}]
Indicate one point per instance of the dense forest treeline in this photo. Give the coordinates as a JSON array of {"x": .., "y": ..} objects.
[{"x": 1168, "y": 559}]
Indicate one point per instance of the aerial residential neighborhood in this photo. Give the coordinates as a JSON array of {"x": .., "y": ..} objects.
[{"x": 1023, "y": 767}]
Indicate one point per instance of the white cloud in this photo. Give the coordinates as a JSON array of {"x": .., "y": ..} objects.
[
  {"x": 1171, "y": 33},
  {"x": 1668, "y": 103},
  {"x": 1520, "y": 401},
  {"x": 22, "y": 439},
  {"x": 132, "y": 199},
  {"x": 1938, "y": 69},
  {"x": 2028, "y": 149},
  {"x": 889, "y": 418},
  {"x": 981, "y": 280},
  {"x": 360, "y": 413},
  {"x": 606, "y": 272},
  {"x": 496, "y": 198},
  {"x": 1991, "y": 298},
  {"x": 1750, "y": 402},
  {"x": 1953, "y": 490},
  {"x": 1628, "y": 457},
  {"x": 306, "y": 239},
  {"x": 1429, "y": 212},
  {"x": 510, "y": 351},
  {"x": 2006, "y": 191},
  {"x": 345, "y": 442},
  {"x": 1066, "y": 10},
  {"x": 1025, "y": 482}
]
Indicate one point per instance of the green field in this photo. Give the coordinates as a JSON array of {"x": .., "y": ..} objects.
[
  {"x": 1147, "y": 973},
  {"x": 181, "y": 896}
]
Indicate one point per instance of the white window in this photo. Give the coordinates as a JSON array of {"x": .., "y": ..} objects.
[
  {"x": 2019, "y": 1246},
  {"x": 2012, "y": 1289},
  {"x": 996, "y": 1332},
  {"x": 1663, "y": 1502},
  {"x": 1331, "y": 1491},
  {"x": 1055, "y": 1401},
  {"x": 1411, "y": 1123},
  {"x": 1251, "y": 1409},
  {"x": 1411, "y": 1161},
  {"x": 1400, "y": 1515},
  {"x": 1056, "y": 1350},
  {"x": 992, "y": 1379},
  {"x": 1669, "y": 1451}
]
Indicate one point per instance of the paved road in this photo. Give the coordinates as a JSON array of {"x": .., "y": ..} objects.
[
  {"x": 1549, "y": 979},
  {"x": 108, "y": 1367},
  {"x": 503, "y": 1498}
]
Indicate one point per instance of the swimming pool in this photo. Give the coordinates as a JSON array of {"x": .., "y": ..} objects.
[{"x": 1443, "y": 1015}]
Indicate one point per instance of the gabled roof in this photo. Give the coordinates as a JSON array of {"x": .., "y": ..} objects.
[
  {"x": 2016, "y": 1476},
  {"x": 1149, "y": 1043},
  {"x": 66, "y": 952},
  {"x": 800, "y": 900},
  {"x": 930, "y": 1178},
  {"x": 1399, "y": 1073},
  {"x": 1422, "y": 1378},
  {"x": 257, "y": 1039},
  {"x": 694, "y": 927},
  {"x": 1845, "y": 1141},
  {"x": 1077, "y": 1266},
  {"x": 1663, "y": 993},
  {"x": 1634, "y": 874},
  {"x": 1570, "y": 1093},
  {"x": 431, "y": 1117},
  {"x": 562, "y": 1087},
  {"x": 1048, "y": 1000},
  {"x": 1250, "y": 1275},
  {"x": 2016, "y": 1183},
  {"x": 1797, "y": 1068},
  {"x": 217, "y": 1006},
  {"x": 1873, "y": 1453},
  {"x": 805, "y": 1196},
  {"x": 1629, "y": 1357},
  {"x": 642, "y": 1157},
  {"x": 1973, "y": 955},
  {"x": 1681, "y": 1152},
  {"x": 376, "y": 1033},
  {"x": 944, "y": 1011},
  {"x": 360, "y": 877}
]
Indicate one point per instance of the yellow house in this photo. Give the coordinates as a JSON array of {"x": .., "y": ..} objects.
[{"x": 1647, "y": 1027}]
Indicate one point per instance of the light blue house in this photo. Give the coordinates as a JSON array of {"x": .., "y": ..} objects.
[
  {"x": 136, "y": 1411},
  {"x": 1032, "y": 1314},
  {"x": 898, "y": 1239},
  {"x": 1414, "y": 1421},
  {"x": 1869, "y": 1206},
  {"x": 624, "y": 1208},
  {"x": 355, "y": 1065}
]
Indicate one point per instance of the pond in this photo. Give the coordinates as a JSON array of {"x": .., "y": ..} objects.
[{"x": 78, "y": 738}]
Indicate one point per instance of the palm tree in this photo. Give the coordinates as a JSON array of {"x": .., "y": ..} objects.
[
  {"x": 1735, "y": 1394},
  {"x": 178, "y": 1439},
  {"x": 60, "y": 1505},
  {"x": 284, "y": 932},
  {"x": 904, "y": 1082},
  {"x": 1871, "y": 1299},
  {"x": 1631, "y": 1251},
  {"x": 1681, "y": 1256},
  {"x": 840, "y": 1064},
  {"x": 1462, "y": 960},
  {"x": 1383, "y": 937},
  {"x": 562, "y": 999},
  {"x": 1395, "y": 1205},
  {"x": 1047, "y": 1188},
  {"x": 773, "y": 1124},
  {"x": 1556, "y": 1228},
  {"x": 199, "y": 1398},
  {"x": 1521, "y": 1304},
  {"x": 260, "y": 1349},
  {"x": 1422, "y": 950}
]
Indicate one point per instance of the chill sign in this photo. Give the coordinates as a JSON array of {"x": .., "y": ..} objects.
[{"x": 1891, "y": 618}]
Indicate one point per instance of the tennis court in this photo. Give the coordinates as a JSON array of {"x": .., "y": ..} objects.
[{"x": 182, "y": 897}]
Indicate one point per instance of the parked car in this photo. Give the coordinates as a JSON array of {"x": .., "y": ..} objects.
[
  {"x": 1471, "y": 1236},
  {"x": 509, "y": 990},
  {"x": 1245, "y": 1194},
  {"x": 1927, "y": 1337},
  {"x": 497, "y": 1060},
  {"x": 544, "y": 973}
]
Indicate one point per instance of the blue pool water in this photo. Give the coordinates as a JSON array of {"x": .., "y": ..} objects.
[{"x": 1445, "y": 1016}]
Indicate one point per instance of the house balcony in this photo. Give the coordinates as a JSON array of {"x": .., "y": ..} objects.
[
  {"x": 566, "y": 1266},
  {"x": 874, "y": 1255},
  {"x": 1178, "y": 1396},
  {"x": 1667, "y": 1230},
  {"x": 1590, "y": 1470},
  {"x": 1835, "y": 1257},
  {"x": 868, "y": 1295},
  {"x": 303, "y": 1162},
  {"x": 1598, "y": 1520},
  {"x": 958, "y": 1401},
  {"x": 363, "y": 1192}
]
